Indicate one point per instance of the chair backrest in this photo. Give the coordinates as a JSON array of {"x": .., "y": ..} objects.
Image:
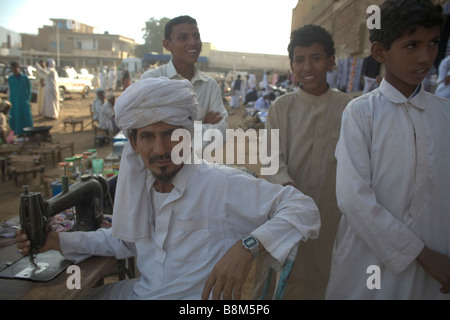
[{"x": 281, "y": 277}]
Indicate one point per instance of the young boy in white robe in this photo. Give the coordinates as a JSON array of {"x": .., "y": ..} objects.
[{"x": 393, "y": 176}]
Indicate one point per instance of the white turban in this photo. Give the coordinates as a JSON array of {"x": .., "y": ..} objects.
[
  {"x": 50, "y": 63},
  {"x": 153, "y": 100},
  {"x": 146, "y": 102}
]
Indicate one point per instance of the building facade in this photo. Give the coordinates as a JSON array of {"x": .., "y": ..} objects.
[{"x": 76, "y": 44}]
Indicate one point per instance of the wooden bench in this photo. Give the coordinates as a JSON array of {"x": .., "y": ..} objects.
[
  {"x": 63, "y": 146},
  {"x": 23, "y": 164},
  {"x": 45, "y": 150},
  {"x": 73, "y": 122},
  {"x": 7, "y": 149},
  {"x": 54, "y": 150}
]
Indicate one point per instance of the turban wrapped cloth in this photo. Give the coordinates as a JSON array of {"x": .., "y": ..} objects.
[
  {"x": 145, "y": 102},
  {"x": 152, "y": 100}
]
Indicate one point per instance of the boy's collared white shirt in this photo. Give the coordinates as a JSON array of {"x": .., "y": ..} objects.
[
  {"x": 207, "y": 90},
  {"x": 392, "y": 187}
]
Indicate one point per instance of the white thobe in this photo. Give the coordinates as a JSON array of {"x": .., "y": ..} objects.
[
  {"x": 96, "y": 108},
  {"x": 207, "y": 90},
  {"x": 106, "y": 117},
  {"x": 251, "y": 81},
  {"x": 208, "y": 210},
  {"x": 111, "y": 79},
  {"x": 392, "y": 187},
  {"x": 103, "y": 79},
  {"x": 51, "y": 105}
]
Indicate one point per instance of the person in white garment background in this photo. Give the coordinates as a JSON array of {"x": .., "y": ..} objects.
[
  {"x": 111, "y": 79},
  {"x": 103, "y": 77},
  {"x": 106, "y": 116},
  {"x": 190, "y": 225},
  {"x": 51, "y": 107},
  {"x": 443, "y": 88},
  {"x": 98, "y": 103},
  {"x": 236, "y": 87}
]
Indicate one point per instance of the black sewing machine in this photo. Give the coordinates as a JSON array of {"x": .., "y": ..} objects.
[{"x": 88, "y": 196}]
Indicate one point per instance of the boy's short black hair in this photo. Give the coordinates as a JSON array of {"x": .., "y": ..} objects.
[
  {"x": 400, "y": 17},
  {"x": 176, "y": 21},
  {"x": 308, "y": 35}
]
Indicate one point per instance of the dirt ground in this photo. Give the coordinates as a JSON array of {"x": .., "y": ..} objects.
[{"x": 78, "y": 107}]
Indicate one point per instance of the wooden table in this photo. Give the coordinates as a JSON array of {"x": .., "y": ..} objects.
[
  {"x": 92, "y": 270},
  {"x": 8, "y": 149},
  {"x": 23, "y": 164}
]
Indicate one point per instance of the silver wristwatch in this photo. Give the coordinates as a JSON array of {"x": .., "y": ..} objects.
[{"x": 251, "y": 243}]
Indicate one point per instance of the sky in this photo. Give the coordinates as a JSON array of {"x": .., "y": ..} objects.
[{"x": 255, "y": 26}]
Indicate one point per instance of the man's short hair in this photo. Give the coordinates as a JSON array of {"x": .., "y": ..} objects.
[
  {"x": 132, "y": 133},
  {"x": 400, "y": 17},
  {"x": 176, "y": 21},
  {"x": 14, "y": 64},
  {"x": 307, "y": 35}
]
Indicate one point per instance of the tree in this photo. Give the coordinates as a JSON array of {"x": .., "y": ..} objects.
[{"x": 154, "y": 34}]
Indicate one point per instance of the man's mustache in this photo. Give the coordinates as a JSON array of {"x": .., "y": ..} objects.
[{"x": 166, "y": 156}]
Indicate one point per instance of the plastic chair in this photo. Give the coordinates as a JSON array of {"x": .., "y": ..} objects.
[{"x": 281, "y": 277}]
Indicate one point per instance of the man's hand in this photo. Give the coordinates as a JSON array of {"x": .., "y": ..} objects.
[
  {"x": 437, "y": 265},
  {"x": 212, "y": 118},
  {"x": 229, "y": 274},
  {"x": 23, "y": 244}
]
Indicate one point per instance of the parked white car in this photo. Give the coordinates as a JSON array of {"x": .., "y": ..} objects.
[{"x": 69, "y": 82}]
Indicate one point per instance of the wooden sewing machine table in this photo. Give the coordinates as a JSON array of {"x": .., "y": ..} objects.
[{"x": 93, "y": 271}]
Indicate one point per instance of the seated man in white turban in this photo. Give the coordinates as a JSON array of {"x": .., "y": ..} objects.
[
  {"x": 106, "y": 117},
  {"x": 194, "y": 228},
  {"x": 98, "y": 103}
]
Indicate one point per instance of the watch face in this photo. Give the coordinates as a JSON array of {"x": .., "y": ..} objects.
[{"x": 250, "y": 242}]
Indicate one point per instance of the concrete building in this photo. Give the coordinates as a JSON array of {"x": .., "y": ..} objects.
[
  {"x": 10, "y": 46},
  {"x": 79, "y": 46}
]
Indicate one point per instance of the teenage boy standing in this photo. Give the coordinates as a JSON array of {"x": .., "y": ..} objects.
[
  {"x": 393, "y": 174},
  {"x": 182, "y": 39},
  {"x": 309, "y": 121}
]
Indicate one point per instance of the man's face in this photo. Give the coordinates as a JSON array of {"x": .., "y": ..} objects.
[
  {"x": 410, "y": 58},
  {"x": 154, "y": 145},
  {"x": 185, "y": 43},
  {"x": 310, "y": 65}
]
